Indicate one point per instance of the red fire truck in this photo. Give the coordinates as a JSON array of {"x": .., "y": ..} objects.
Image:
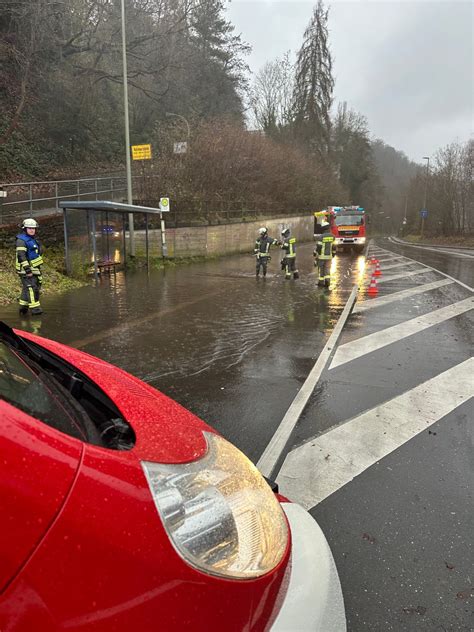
[{"x": 348, "y": 225}]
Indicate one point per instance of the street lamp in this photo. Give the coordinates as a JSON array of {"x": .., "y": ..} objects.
[
  {"x": 184, "y": 119},
  {"x": 127, "y": 132},
  {"x": 427, "y": 158}
]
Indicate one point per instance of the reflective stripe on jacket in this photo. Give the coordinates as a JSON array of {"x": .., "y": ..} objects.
[
  {"x": 325, "y": 247},
  {"x": 290, "y": 248},
  {"x": 28, "y": 254},
  {"x": 262, "y": 246}
]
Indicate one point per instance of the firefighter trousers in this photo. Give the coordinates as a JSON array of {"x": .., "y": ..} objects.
[
  {"x": 324, "y": 268},
  {"x": 288, "y": 264},
  {"x": 30, "y": 292},
  {"x": 262, "y": 262}
]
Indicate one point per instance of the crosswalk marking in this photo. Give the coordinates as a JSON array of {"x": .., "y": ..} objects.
[
  {"x": 398, "y": 296},
  {"x": 395, "y": 265},
  {"x": 389, "y": 259},
  {"x": 378, "y": 340},
  {"x": 403, "y": 275},
  {"x": 317, "y": 469}
]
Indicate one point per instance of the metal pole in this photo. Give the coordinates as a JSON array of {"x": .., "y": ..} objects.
[
  {"x": 94, "y": 247},
  {"x": 66, "y": 247},
  {"x": 146, "y": 243},
  {"x": 164, "y": 248},
  {"x": 127, "y": 133},
  {"x": 427, "y": 158}
]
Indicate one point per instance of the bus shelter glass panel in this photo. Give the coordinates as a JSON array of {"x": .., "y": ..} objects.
[
  {"x": 109, "y": 237},
  {"x": 78, "y": 242}
]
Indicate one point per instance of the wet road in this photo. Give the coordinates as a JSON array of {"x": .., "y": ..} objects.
[
  {"x": 233, "y": 349},
  {"x": 458, "y": 263},
  {"x": 236, "y": 351},
  {"x": 382, "y": 455}
]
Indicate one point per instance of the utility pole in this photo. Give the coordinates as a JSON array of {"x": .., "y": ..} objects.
[
  {"x": 427, "y": 158},
  {"x": 127, "y": 132}
]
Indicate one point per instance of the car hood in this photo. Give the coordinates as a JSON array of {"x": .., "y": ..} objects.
[{"x": 165, "y": 431}]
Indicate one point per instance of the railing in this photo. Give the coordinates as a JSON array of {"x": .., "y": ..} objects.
[
  {"x": 37, "y": 199},
  {"x": 193, "y": 213},
  {"x": 40, "y": 199}
]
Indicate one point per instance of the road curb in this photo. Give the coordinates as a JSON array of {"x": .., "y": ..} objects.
[{"x": 424, "y": 245}]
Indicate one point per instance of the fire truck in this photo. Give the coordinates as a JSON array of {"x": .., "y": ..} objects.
[{"x": 348, "y": 225}]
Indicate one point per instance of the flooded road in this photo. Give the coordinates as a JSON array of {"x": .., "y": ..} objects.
[{"x": 233, "y": 349}]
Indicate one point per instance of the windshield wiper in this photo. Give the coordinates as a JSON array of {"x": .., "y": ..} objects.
[{"x": 12, "y": 339}]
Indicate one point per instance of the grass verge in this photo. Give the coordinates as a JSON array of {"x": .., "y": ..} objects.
[
  {"x": 54, "y": 279},
  {"x": 463, "y": 242}
]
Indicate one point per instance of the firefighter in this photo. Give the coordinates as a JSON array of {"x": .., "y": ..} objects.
[
  {"x": 28, "y": 267},
  {"x": 288, "y": 263},
  {"x": 324, "y": 252},
  {"x": 262, "y": 250}
]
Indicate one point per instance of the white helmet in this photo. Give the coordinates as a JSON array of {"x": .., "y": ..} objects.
[
  {"x": 29, "y": 223},
  {"x": 262, "y": 230}
]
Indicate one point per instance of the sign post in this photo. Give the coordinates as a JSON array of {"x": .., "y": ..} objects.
[
  {"x": 424, "y": 215},
  {"x": 164, "y": 208},
  {"x": 3, "y": 194}
]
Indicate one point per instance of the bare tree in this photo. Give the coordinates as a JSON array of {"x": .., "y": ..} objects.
[{"x": 271, "y": 94}]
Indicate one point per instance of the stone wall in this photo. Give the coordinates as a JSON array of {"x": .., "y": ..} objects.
[{"x": 223, "y": 239}]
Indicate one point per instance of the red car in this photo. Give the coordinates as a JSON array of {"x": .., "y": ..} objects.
[{"x": 122, "y": 511}]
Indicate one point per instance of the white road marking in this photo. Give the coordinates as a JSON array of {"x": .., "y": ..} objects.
[
  {"x": 317, "y": 469},
  {"x": 403, "y": 275},
  {"x": 277, "y": 444},
  {"x": 395, "y": 265},
  {"x": 398, "y": 296},
  {"x": 388, "y": 259},
  {"x": 367, "y": 344},
  {"x": 455, "y": 253},
  {"x": 439, "y": 272}
]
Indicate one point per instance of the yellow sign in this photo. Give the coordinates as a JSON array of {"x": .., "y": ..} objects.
[{"x": 141, "y": 152}]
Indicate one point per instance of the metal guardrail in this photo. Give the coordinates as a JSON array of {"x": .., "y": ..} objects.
[
  {"x": 38, "y": 199},
  {"x": 41, "y": 199}
]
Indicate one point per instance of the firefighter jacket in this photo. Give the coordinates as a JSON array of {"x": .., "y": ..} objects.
[
  {"x": 325, "y": 246},
  {"x": 262, "y": 246},
  {"x": 28, "y": 255},
  {"x": 289, "y": 246}
]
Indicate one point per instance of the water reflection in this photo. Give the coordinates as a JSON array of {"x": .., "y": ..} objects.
[{"x": 194, "y": 319}]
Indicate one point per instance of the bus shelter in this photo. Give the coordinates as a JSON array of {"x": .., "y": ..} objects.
[{"x": 95, "y": 234}]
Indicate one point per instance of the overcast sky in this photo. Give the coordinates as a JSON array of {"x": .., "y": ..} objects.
[{"x": 406, "y": 65}]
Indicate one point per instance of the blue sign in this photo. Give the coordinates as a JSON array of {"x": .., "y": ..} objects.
[{"x": 424, "y": 213}]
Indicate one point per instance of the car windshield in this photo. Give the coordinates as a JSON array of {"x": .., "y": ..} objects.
[
  {"x": 349, "y": 220},
  {"x": 23, "y": 388}
]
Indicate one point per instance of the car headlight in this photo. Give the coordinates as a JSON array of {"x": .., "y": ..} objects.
[
  {"x": 362, "y": 240},
  {"x": 219, "y": 512}
]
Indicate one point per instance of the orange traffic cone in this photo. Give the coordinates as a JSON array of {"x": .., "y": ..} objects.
[
  {"x": 378, "y": 271},
  {"x": 373, "y": 289},
  {"x": 373, "y": 261}
]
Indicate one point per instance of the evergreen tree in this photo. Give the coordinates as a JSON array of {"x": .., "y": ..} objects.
[
  {"x": 314, "y": 85},
  {"x": 219, "y": 69}
]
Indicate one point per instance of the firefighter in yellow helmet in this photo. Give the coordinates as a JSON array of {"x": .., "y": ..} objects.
[
  {"x": 262, "y": 250},
  {"x": 28, "y": 266},
  {"x": 288, "y": 263},
  {"x": 324, "y": 252}
]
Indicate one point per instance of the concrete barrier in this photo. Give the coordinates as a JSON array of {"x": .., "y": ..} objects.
[{"x": 202, "y": 241}]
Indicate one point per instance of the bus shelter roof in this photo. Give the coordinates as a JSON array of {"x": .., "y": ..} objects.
[{"x": 105, "y": 205}]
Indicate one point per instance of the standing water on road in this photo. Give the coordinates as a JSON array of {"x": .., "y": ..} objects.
[{"x": 221, "y": 342}]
